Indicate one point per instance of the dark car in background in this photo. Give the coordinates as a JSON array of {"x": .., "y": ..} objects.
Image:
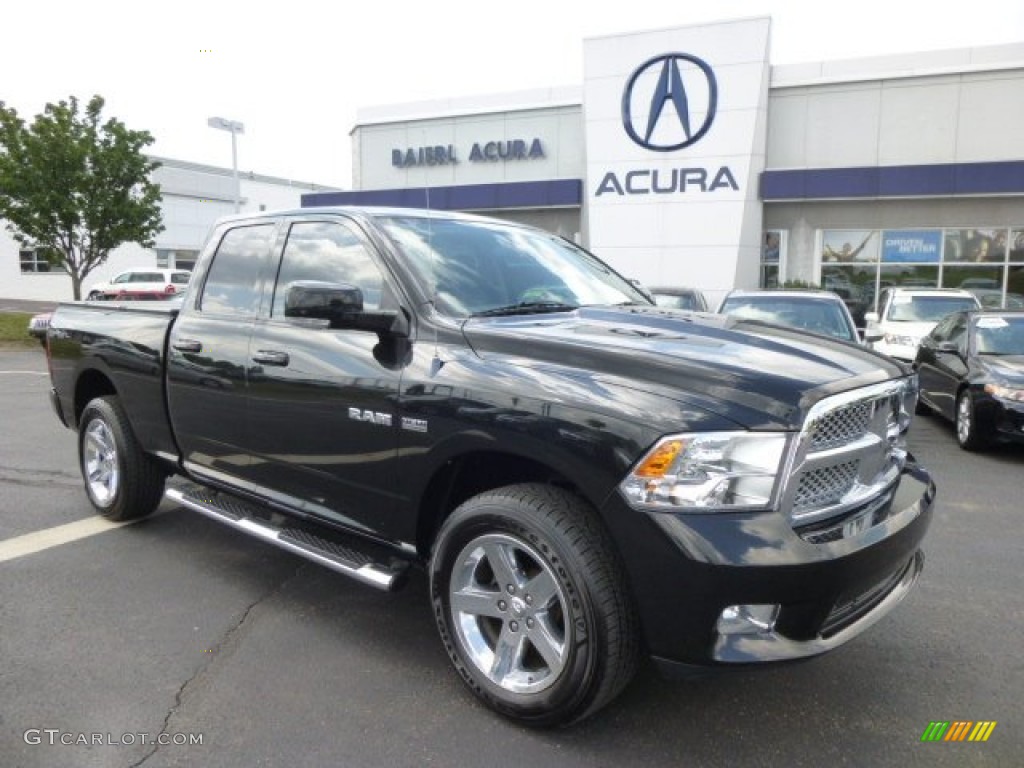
[
  {"x": 821, "y": 312},
  {"x": 971, "y": 371},
  {"x": 679, "y": 298}
]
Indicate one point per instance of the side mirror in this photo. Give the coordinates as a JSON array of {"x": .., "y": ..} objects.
[
  {"x": 870, "y": 317},
  {"x": 341, "y": 305},
  {"x": 949, "y": 347}
]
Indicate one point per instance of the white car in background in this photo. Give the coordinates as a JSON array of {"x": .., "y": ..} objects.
[
  {"x": 907, "y": 315},
  {"x": 143, "y": 283}
]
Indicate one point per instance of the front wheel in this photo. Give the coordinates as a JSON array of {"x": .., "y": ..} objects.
[
  {"x": 122, "y": 482},
  {"x": 531, "y": 604},
  {"x": 968, "y": 434}
]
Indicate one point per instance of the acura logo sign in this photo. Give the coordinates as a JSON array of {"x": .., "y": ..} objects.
[{"x": 669, "y": 102}]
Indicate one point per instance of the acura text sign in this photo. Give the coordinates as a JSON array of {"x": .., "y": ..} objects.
[{"x": 675, "y": 125}]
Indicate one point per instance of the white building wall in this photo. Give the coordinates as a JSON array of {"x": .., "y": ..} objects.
[
  {"x": 960, "y": 106},
  {"x": 558, "y": 128}
]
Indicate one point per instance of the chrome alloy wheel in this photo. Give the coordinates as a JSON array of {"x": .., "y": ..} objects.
[
  {"x": 508, "y": 610},
  {"x": 964, "y": 419},
  {"x": 100, "y": 464}
]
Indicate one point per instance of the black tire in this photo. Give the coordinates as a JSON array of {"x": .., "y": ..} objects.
[
  {"x": 94, "y": 296},
  {"x": 121, "y": 481},
  {"x": 969, "y": 434},
  {"x": 575, "y": 648}
]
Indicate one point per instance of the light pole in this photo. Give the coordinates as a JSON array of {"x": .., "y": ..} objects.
[{"x": 234, "y": 127}]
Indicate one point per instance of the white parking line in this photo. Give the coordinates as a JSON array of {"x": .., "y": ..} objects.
[
  {"x": 30, "y": 543},
  {"x": 28, "y": 373}
]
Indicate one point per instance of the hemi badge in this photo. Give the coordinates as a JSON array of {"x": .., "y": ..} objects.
[{"x": 414, "y": 425}]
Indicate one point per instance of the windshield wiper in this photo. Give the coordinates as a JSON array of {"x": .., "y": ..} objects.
[{"x": 526, "y": 308}]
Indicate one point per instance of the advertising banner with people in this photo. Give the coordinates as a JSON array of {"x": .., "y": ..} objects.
[
  {"x": 849, "y": 245},
  {"x": 975, "y": 246}
]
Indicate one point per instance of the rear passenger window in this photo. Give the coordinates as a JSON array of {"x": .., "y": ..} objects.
[
  {"x": 329, "y": 251},
  {"x": 233, "y": 282},
  {"x": 180, "y": 278}
]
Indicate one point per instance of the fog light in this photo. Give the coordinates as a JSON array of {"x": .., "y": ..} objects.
[{"x": 747, "y": 619}]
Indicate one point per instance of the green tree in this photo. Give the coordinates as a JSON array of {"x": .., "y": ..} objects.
[{"x": 74, "y": 187}]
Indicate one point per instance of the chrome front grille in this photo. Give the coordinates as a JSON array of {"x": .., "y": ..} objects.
[
  {"x": 849, "y": 451},
  {"x": 825, "y": 486},
  {"x": 841, "y": 426}
]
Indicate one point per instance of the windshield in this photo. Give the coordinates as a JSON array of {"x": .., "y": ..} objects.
[
  {"x": 927, "y": 309},
  {"x": 806, "y": 313},
  {"x": 1000, "y": 335},
  {"x": 482, "y": 267}
]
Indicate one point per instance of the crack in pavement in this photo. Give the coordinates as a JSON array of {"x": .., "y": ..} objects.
[
  {"x": 228, "y": 638},
  {"x": 39, "y": 477}
]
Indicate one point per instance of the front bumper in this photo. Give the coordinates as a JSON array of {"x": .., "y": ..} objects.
[
  {"x": 1006, "y": 417},
  {"x": 830, "y": 581}
]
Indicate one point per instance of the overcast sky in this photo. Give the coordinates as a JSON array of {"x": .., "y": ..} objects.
[{"x": 295, "y": 73}]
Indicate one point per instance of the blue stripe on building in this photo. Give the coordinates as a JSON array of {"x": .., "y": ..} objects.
[
  {"x": 469, "y": 197},
  {"x": 940, "y": 180}
]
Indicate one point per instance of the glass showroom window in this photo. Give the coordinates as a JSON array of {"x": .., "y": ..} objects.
[
  {"x": 988, "y": 262},
  {"x": 975, "y": 259},
  {"x": 773, "y": 258},
  {"x": 849, "y": 265},
  {"x": 910, "y": 257}
]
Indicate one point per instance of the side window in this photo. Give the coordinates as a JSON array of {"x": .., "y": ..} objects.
[
  {"x": 958, "y": 333},
  {"x": 122, "y": 278},
  {"x": 180, "y": 278},
  {"x": 233, "y": 282},
  {"x": 942, "y": 330},
  {"x": 331, "y": 252}
]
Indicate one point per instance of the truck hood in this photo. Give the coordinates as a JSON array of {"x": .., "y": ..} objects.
[{"x": 758, "y": 376}]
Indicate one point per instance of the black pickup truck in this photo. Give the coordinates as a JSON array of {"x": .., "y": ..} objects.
[{"x": 586, "y": 478}]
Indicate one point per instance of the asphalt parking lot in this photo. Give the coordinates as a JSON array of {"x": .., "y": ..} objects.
[{"x": 178, "y": 626}]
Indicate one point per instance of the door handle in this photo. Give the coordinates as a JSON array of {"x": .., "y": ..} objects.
[
  {"x": 270, "y": 357},
  {"x": 188, "y": 345}
]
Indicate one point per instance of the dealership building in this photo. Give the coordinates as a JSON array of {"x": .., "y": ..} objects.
[{"x": 686, "y": 158}]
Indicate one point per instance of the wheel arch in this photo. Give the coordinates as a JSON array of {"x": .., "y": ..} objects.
[
  {"x": 468, "y": 474},
  {"x": 91, "y": 383}
]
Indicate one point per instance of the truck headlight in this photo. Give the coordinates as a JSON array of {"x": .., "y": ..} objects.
[{"x": 708, "y": 471}]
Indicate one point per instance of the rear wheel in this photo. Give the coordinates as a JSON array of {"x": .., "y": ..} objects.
[
  {"x": 531, "y": 604},
  {"x": 968, "y": 434},
  {"x": 122, "y": 482}
]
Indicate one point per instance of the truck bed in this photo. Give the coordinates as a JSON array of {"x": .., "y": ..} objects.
[{"x": 126, "y": 343}]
